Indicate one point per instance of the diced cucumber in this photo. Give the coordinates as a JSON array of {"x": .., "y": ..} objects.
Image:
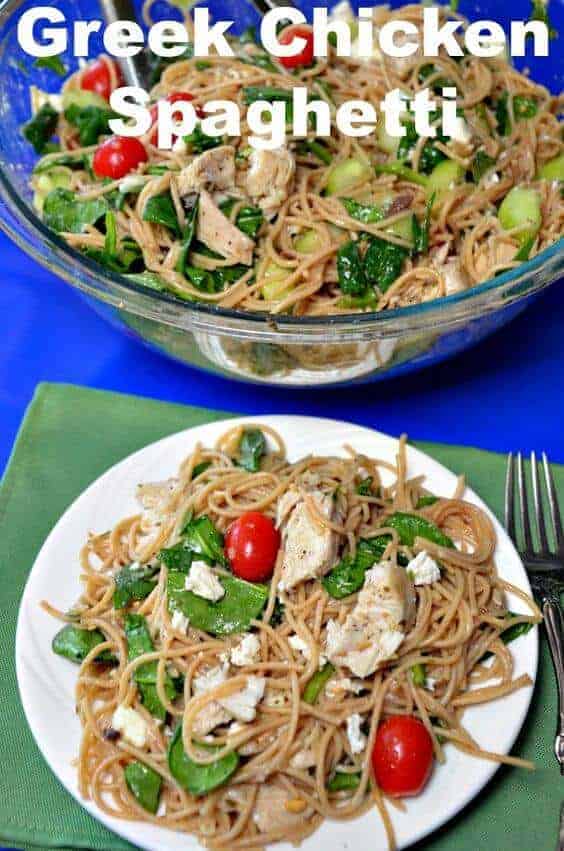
[
  {"x": 521, "y": 208},
  {"x": 308, "y": 242},
  {"x": 553, "y": 170},
  {"x": 387, "y": 143},
  {"x": 444, "y": 177},
  {"x": 402, "y": 228},
  {"x": 43, "y": 184},
  {"x": 275, "y": 287},
  {"x": 346, "y": 175},
  {"x": 82, "y": 99}
]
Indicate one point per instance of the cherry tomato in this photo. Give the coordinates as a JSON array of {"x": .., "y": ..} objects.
[
  {"x": 174, "y": 97},
  {"x": 96, "y": 78},
  {"x": 403, "y": 756},
  {"x": 252, "y": 543},
  {"x": 117, "y": 156},
  {"x": 305, "y": 56}
]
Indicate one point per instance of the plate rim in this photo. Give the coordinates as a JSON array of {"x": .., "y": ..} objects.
[{"x": 127, "y": 829}]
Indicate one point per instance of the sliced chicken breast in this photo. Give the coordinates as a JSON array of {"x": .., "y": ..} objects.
[
  {"x": 270, "y": 178},
  {"x": 214, "y": 169},
  {"x": 218, "y": 233},
  {"x": 273, "y": 810},
  {"x": 310, "y": 547}
]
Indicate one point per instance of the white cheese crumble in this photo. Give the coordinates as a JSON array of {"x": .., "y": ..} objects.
[
  {"x": 179, "y": 622},
  {"x": 423, "y": 570},
  {"x": 240, "y": 705},
  {"x": 336, "y": 688},
  {"x": 356, "y": 737},
  {"x": 131, "y": 725},
  {"x": 131, "y": 183},
  {"x": 461, "y": 131},
  {"x": 247, "y": 652},
  {"x": 297, "y": 643},
  {"x": 203, "y": 582}
]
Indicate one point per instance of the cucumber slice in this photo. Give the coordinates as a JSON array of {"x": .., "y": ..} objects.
[
  {"x": 346, "y": 175},
  {"x": 82, "y": 99},
  {"x": 43, "y": 184},
  {"x": 308, "y": 242},
  {"x": 387, "y": 143},
  {"x": 521, "y": 208},
  {"x": 553, "y": 170},
  {"x": 444, "y": 177},
  {"x": 403, "y": 228},
  {"x": 275, "y": 287}
]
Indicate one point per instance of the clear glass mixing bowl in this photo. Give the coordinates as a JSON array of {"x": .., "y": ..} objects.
[{"x": 283, "y": 351}]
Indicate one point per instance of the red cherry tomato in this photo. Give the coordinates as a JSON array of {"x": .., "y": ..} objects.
[
  {"x": 252, "y": 543},
  {"x": 402, "y": 758},
  {"x": 97, "y": 78},
  {"x": 305, "y": 56},
  {"x": 174, "y": 97},
  {"x": 117, "y": 156}
]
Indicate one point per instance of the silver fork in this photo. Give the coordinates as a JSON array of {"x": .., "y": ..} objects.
[{"x": 544, "y": 564}]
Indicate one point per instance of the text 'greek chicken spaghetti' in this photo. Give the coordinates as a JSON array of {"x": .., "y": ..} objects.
[
  {"x": 268, "y": 644},
  {"x": 319, "y": 225}
]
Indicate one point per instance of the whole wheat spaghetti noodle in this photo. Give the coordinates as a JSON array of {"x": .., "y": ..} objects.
[
  {"x": 306, "y": 194},
  {"x": 244, "y": 729}
]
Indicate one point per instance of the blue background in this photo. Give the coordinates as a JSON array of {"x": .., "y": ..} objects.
[{"x": 504, "y": 394}]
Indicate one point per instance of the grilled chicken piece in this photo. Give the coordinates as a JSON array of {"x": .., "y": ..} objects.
[
  {"x": 218, "y": 233},
  {"x": 240, "y": 705},
  {"x": 270, "y": 177},
  {"x": 376, "y": 627},
  {"x": 273, "y": 810},
  {"x": 310, "y": 548},
  {"x": 213, "y": 169}
]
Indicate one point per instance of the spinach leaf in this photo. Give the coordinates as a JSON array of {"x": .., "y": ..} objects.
[
  {"x": 411, "y": 526},
  {"x": 481, "y": 164},
  {"x": 262, "y": 60},
  {"x": 160, "y": 210},
  {"x": 249, "y": 220},
  {"x": 139, "y": 642},
  {"x": 200, "y": 468},
  {"x": 204, "y": 540},
  {"x": 277, "y": 615},
  {"x": 72, "y": 161},
  {"x": 511, "y": 633},
  {"x": 159, "y": 64},
  {"x": 90, "y": 121},
  {"x": 525, "y": 250},
  {"x": 195, "y": 778},
  {"x": 365, "y": 213},
  {"x": 128, "y": 253},
  {"x": 364, "y": 488},
  {"x": 383, "y": 262},
  {"x": 425, "y": 501},
  {"x": 134, "y": 582},
  {"x": 359, "y": 302},
  {"x": 241, "y": 603},
  {"x": 40, "y": 129},
  {"x": 351, "y": 270},
  {"x": 317, "y": 683},
  {"x": 343, "y": 782},
  {"x": 177, "y": 557},
  {"x": 252, "y": 447},
  {"x": 64, "y": 212},
  {"x": 51, "y": 63},
  {"x": 427, "y": 71},
  {"x": 191, "y": 203},
  {"x": 524, "y": 107},
  {"x": 430, "y": 155},
  {"x": 198, "y": 141},
  {"x": 502, "y": 115},
  {"x": 149, "y": 279},
  {"x": 144, "y": 784},
  {"x": 347, "y": 576},
  {"x": 318, "y": 149},
  {"x": 75, "y": 643}
]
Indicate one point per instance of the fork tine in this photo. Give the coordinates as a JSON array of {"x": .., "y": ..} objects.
[
  {"x": 522, "y": 487},
  {"x": 537, "y": 499},
  {"x": 509, "y": 501},
  {"x": 553, "y": 503}
]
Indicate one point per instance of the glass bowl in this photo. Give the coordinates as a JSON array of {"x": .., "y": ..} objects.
[{"x": 304, "y": 352}]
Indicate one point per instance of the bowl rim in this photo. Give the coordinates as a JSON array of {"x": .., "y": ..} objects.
[{"x": 344, "y": 321}]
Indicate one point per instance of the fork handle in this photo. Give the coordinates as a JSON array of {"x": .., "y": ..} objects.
[{"x": 554, "y": 625}]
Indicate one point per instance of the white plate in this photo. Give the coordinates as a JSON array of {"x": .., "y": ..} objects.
[{"x": 46, "y": 682}]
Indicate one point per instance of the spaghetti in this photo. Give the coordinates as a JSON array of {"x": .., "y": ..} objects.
[
  {"x": 244, "y": 751},
  {"x": 421, "y": 218}
]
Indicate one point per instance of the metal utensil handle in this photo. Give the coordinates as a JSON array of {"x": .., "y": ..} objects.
[
  {"x": 135, "y": 68},
  {"x": 554, "y": 625},
  {"x": 560, "y": 842}
]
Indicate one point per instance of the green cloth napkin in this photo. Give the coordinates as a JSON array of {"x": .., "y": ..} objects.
[{"x": 69, "y": 437}]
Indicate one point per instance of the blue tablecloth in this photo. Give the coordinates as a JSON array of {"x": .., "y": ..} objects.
[{"x": 505, "y": 394}]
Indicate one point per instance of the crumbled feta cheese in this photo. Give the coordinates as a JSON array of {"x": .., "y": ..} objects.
[
  {"x": 303, "y": 759},
  {"x": 131, "y": 725},
  {"x": 180, "y": 146},
  {"x": 461, "y": 131},
  {"x": 235, "y": 727},
  {"x": 203, "y": 582},
  {"x": 430, "y": 683},
  {"x": 247, "y": 651},
  {"x": 336, "y": 688},
  {"x": 131, "y": 183},
  {"x": 423, "y": 569},
  {"x": 179, "y": 622},
  {"x": 356, "y": 737},
  {"x": 491, "y": 180},
  {"x": 161, "y": 810},
  {"x": 297, "y": 643}
]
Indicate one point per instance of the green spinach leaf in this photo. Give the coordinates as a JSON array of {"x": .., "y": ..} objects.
[
  {"x": 41, "y": 128},
  {"x": 252, "y": 447},
  {"x": 64, "y": 212},
  {"x": 199, "y": 779}
]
